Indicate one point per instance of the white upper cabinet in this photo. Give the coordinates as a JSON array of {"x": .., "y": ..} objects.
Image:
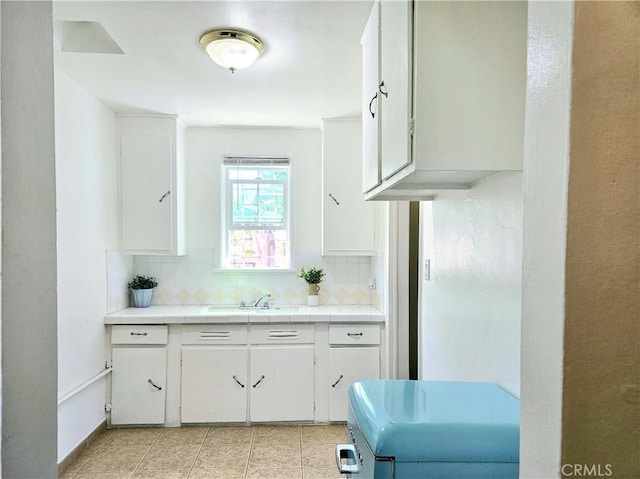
[
  {"x": 394, "y": 91},
  {"x": 370, "y": 112},
  {"x": 347, "y": 220},
  {"x": 451, "y": 95},
  {"x": 151, "y": 185}
]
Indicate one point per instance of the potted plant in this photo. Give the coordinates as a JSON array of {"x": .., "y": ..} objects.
[
  {"x": 313, "y": 277},
  {"x": 141, "y": 287}
]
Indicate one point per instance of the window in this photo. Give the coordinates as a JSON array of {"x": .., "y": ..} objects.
[{"x": 255, "y": 225}]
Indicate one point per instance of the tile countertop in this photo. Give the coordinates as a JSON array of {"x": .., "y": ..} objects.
[{"x": 232, "y": 314}]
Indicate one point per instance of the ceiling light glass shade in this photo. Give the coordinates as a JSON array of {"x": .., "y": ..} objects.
[{"x": 232, "y": 49}]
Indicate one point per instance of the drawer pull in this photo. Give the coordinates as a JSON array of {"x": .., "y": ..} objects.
[
  {"x": 236, "y": 380},
  {"x": 215, "y": 335},
  {"x": 336, "y": 383},
  {"x": 283, "y": 334},
  {"x": 138, "y": 334},
  {"x": 354, "y": 335},
  {"x": 259, "y": 381},
  {"x": 154, "y": 385}
]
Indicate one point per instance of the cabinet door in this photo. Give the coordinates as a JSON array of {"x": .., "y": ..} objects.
[
  {"x": 138, "y": 385},
  {"x": 347, "y": 227},
  {"x": 471, "y": 76},
  {"x": 370, "y": 102},
  {"x": 346, "y": 366},
  {"x": 146, "y": 204},
  {"x": 281, "y": 383},
  {"x": 395, "y": 94},
  {"x": 214, "y": 384}
]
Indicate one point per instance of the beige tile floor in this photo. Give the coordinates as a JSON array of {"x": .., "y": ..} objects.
[{"x": 221, "y": 452}]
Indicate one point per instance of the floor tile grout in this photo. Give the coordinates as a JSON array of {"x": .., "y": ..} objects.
[
  {"x": 195, "y": 459},
  {"x": 246, "y": 466}
]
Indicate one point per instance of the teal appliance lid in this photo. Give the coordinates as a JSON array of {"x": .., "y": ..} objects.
[{"x": 437, "y": 420}]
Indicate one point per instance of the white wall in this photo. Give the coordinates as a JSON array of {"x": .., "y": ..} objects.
[
  {"x": 470, "y": 308},
  {"x": 546, "y": 160},
  {"x": 192, "y": 280},
  {"x": 29, "y": 350},
  {"x": 205, "y": 149},
  {"x": 0, "y": 247},
  {"x": 87, "y": 227},
  {"x": 379, "y": 263}
]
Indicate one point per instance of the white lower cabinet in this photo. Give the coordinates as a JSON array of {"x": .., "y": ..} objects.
[
  {"x": 354, "y": 354},
  {"x": 267, "y": 367},
  {"x": 346, "y": 366},
  {"x": 281, "y": 383},
  {"x": 138, "y": 382},
  {"x": 138, "y": 385},
  {"x": 236, "y": 373},
  {"x": 214, "y": 370},
  {"x": 214, "y": 384}
]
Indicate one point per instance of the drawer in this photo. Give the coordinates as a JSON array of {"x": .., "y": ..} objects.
[
  {"x": 138, "y": 334},
  {"x": 214, "y": 334},
  {"x": 282, "y": 334},
  {"x": 354, "y": 334}
]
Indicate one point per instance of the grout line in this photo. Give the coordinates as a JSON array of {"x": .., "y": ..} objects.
[
  {"x": 96, "y": 448},
  {"x": 300, "y": 432},
  {"x": 251, "y": 443},
  {"x": 204, "y": 440},
  {"x": 145, "y": 454}
]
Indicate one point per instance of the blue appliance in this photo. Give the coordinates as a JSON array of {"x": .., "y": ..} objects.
[{"x": 430, "y": 429}]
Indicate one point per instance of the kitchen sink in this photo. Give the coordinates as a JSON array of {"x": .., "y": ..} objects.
[{"x": 251, "y": 310}]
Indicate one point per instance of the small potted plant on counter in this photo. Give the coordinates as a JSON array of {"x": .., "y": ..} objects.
[
  {"x": 313, "y": 277},
  {"x": 141, "y": 287}
]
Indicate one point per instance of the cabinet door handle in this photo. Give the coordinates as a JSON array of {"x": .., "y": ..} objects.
[
  {"x": 336, "y": 383},
  {"x": 164, "y": 196},
  {"x": 373, "y": 114},
  {"x": 236, "y": 380},
  {"x": 383, "y": 89},
  {"x": 354, "y": 335},
  {"x": 154, "y": 385},
  {"x": 334, "y": 199},
  {"x": 138, "y": 334},
  {"x": 259, "y": 381}
]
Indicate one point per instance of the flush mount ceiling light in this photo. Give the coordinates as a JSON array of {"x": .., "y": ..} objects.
[{"x": 232, "y": 49}]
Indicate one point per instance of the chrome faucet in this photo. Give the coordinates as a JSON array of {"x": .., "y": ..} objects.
[{"x": 266, "y": 303}]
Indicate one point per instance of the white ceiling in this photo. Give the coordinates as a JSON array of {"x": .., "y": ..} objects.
[{"x": 311, "y": 68}]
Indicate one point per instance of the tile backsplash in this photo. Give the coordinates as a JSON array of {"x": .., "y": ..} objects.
[{"x": 191, "y": 279}]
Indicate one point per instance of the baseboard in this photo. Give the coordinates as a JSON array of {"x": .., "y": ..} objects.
[{"x": 80, "y": 448}]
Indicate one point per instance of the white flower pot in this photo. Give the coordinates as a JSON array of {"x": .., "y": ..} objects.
[
  {"x": 313, "y": 300},
  {"x": 142, "y": 297}
]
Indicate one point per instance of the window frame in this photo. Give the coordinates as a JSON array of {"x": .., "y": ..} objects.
[{"x": 226, "y": 224}]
